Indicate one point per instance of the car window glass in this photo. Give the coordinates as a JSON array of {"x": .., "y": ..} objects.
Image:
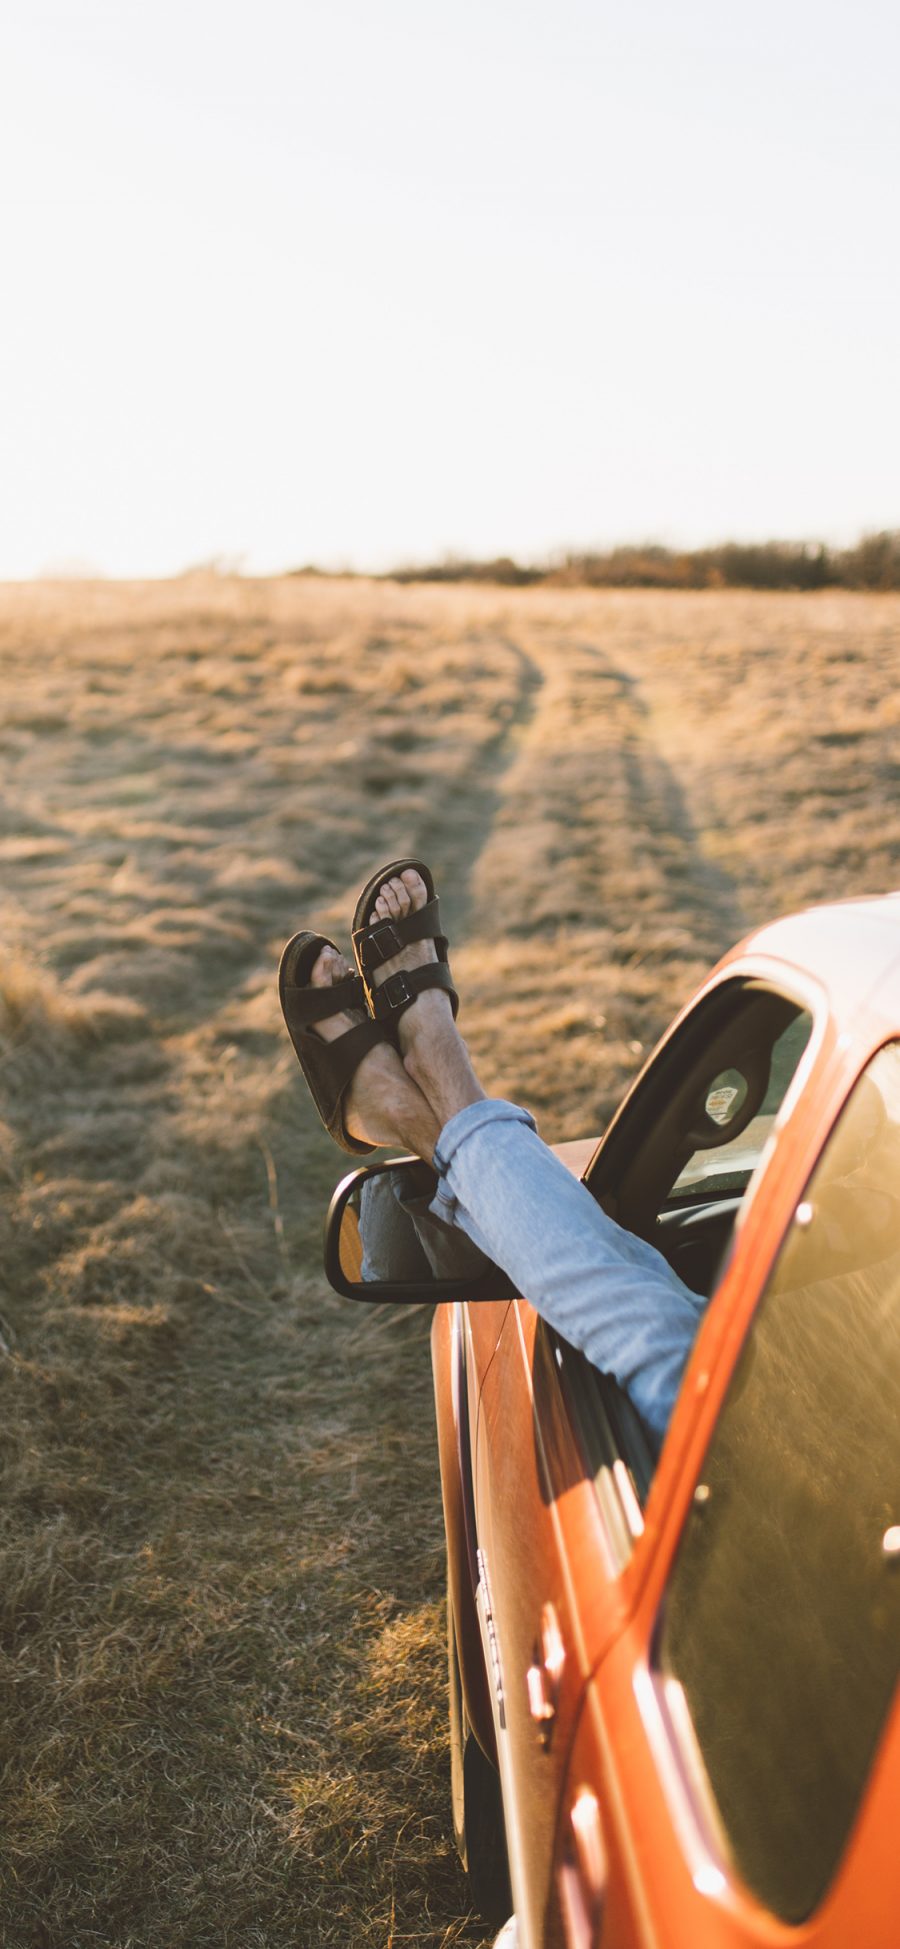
[{"x": 781, "y": 1627}]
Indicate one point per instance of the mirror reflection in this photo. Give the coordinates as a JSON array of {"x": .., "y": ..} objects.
[{"x": 389, "y": 1236}]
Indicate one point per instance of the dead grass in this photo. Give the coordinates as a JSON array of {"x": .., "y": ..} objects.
[{"x": 221, "y": 1642}]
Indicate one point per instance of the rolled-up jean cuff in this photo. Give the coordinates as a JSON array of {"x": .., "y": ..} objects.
[
  {"x": 491, "y": 1109},
  {"x": 475, "y": 1116}
]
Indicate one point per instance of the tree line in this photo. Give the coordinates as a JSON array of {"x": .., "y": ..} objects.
[{"x": 872, "y": 563}]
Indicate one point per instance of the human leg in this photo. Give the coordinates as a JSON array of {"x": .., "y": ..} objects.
[
  {"x": 609, "y": 1293},
  {"x": 433, "y": 1051},
  {"x": 381, "y": 1104}
]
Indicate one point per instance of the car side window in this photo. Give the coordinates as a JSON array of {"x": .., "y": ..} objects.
[
  {"x": 726, "y": 1165},
  {"x": 682, "y": 1152},
  {"x": 674, "y": 1168},
  {"x": 779, "y": 1640}
]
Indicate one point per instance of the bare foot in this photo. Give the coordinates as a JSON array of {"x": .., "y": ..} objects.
[
  {"x": 396, "y": 898},
  {"x": 382, "y": 1104},
  {"x": 330, "y": 968},
  {"x": 434, "y": 1053}
]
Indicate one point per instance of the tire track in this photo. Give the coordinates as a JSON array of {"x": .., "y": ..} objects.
[
  {"x": 595, "y": 906},
  {"x": 595, "y": 824}
]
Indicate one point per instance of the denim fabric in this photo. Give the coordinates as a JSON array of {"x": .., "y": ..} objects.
[{"x": 607, "y": 1292}]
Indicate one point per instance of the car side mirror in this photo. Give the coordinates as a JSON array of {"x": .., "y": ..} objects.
[{"x": 382, "y": 1241}]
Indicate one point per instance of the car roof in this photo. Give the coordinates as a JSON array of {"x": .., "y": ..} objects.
[{"x": 849, "y": 947}]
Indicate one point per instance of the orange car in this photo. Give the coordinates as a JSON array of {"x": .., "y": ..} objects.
[{"x": 673, "y": 1682}]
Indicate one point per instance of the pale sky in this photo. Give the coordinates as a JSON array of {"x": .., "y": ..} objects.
[{"x": 364, "y": 284}]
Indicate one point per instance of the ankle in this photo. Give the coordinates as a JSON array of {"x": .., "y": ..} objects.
[
  {"x": 441, "y": 1070},
  {"x": 413, "y": 1123}
]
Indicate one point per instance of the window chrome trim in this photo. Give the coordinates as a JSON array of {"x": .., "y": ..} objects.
[{"x": 617, "y": 1457}]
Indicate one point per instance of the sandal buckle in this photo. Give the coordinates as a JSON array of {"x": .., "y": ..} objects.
[
  {"x": 396, "y": 991},
  {"x": 382, "y": 943}
]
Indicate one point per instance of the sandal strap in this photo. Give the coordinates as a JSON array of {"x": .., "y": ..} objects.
[
  {"x": 329, "y": 1068},
  {"x": 400, "y": 990},
  {"x": 303, "y": 1007},
  {"x": 335, "y": 1064},
  {"x": 379, "y": 942}
]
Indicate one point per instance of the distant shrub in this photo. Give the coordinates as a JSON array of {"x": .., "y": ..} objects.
[
  {"x": 647, "y": 567},
  {"x": 770, "y": 565},
  {"x": 502, "y": 570},
  {"x": 873, "y": 563},
  {"x": 729, "y": 565}
]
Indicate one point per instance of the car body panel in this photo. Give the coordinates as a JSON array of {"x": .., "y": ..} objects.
[
  {"x": 541, "y": 1534},
  {"x": 455, "y": 1449},
  {"x": 464, "y": 1341},
  {"x": 666, "y": 1882},
  {"x": 642, "y": 1827}
]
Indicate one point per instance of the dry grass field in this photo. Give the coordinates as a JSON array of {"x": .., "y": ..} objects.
[{"x": 221, "y": 1605}]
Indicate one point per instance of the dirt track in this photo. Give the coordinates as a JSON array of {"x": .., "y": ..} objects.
[{"x": 221, "y": 1610}]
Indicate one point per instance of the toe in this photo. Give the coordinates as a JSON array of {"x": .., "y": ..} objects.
[
  {"x": 387, "y": 902},
  {"x": 323, "y": 975},
  {"x": 415, "y": 888},
  {"x": 401, "y": 896}
]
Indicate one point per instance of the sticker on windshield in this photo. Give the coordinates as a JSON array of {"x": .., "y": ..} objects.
[{"x": 726, "y": 1097}]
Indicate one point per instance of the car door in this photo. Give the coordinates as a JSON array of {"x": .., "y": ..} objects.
[
  {"x": 548, "y": 1592},
  {"x": 738, "y": 1750},
  {"x": 484, "y": 1321},
  {"x": 562, "y": 1465}
]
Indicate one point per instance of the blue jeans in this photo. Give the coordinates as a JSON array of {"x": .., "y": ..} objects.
[{"x": 607, "y": 1292}]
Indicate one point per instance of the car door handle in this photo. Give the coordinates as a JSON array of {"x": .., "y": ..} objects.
[
  {"x": 582, "y": 1876},
  {"x": 544, "y": 1674}
]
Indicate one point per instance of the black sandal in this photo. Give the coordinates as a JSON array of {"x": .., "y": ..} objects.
[
  {"x": 328, "y": 1067},
  {"x": 373, "y": 945}
]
